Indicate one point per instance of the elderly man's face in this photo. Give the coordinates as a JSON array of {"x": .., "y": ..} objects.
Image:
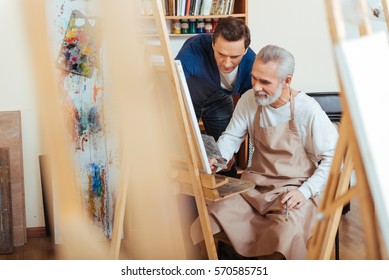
[
  {"x": 228, "y": 54},
  {"x": 266, "y": 85}
]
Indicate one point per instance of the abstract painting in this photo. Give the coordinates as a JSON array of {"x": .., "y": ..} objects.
[{"x": 83, "y": 96}]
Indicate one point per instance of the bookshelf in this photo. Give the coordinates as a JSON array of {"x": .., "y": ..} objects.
[{"x": 175, "y": 17}]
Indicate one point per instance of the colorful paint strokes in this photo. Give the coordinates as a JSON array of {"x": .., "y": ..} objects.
[
  {"x": 83, "y": 97},
  {"x": 80, "y": 46}
]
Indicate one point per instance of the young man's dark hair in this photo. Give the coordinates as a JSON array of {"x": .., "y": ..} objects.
[{"x": 232, "y": 29}]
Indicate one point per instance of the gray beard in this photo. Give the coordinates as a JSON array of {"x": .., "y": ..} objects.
[{"x": 264, "y": 99}]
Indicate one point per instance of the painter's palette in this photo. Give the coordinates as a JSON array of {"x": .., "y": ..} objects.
[{"x": 80, "y": 47}]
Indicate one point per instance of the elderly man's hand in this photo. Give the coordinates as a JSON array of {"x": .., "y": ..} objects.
[
  {"x": 295, "y": 199},
  {"x": 212, "y": 164}
]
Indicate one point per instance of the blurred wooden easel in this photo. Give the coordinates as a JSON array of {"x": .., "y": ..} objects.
[
  {"x": 347, "y": 158},
  {"x": 187, "y": 171}
]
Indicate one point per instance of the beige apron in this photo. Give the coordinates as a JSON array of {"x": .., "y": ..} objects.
[{"x": 255, "y": 221}]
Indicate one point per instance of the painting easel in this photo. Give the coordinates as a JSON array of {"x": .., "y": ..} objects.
[
  {"x": 349, "y": 156},
  {"x": 187, "y": 172}
]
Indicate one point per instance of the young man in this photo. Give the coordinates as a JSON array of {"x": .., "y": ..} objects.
[
  {"x": 291, "y": 135},
  {"x": 217, "y": 67}
]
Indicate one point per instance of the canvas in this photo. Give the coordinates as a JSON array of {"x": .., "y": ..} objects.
[
  {"x": 83, "y": 97},
  {"x": 364, "y": 66}
]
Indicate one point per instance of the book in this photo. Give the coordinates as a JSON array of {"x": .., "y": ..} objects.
[
  {"x": 206, "y": 7},
  {"x": 231, "y": 8},
  {"x": 213, "y": 151},
  {"x": 187, "y": 7},
  {"x": 198, "y": 6},
  {"x": 214, "y": 7}
]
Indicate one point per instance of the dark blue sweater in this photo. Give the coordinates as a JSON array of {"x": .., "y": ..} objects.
[{"x": 202, "y": 73}]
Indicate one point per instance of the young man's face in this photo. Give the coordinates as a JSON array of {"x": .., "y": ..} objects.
[{"x": 228, "y": 54}]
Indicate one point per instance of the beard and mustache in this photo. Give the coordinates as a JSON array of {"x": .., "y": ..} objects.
[{"x": 263, "y": 99}]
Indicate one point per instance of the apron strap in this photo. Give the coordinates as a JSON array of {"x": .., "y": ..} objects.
[{"x": 291, "y": 105}]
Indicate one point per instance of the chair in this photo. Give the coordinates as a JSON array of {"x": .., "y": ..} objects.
[{"x": 330, "y": 102}]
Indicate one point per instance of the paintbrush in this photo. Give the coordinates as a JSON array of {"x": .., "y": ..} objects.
[{"x": 286, "y": 209}]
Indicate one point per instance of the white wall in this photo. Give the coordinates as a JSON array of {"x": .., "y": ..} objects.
[
  {"x": 17, "y": 93},
  {"x": 299, "y": 26}
]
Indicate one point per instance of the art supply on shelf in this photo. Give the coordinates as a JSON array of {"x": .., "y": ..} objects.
[
  {"x": 215, "y": 22},
  {"x": 208, "y": 26},
  {"x": 192, "y": 26},
  {"x": 200, "y": 26},
  {"x": 184, "y": 26},
  {"x": 176, "y": 27}
]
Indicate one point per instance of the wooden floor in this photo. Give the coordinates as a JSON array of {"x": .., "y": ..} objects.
[
  {"x": 350, "y": 235},
  {"x": 37, "y": 248}
]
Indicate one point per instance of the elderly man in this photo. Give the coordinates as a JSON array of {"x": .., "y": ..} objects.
[{"x": 291, "y": 136}]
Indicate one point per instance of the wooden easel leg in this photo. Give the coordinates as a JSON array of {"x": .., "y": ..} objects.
[
  {"x": 322, "y": 243},
  {"x": 119, "y": 215},
  {"x": 385, "y": 7},
  {"x": 204, "y": 220},
  {"x": 367, "y": 209}
]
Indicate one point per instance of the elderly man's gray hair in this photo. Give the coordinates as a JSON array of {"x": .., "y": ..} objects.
[{"x": 280, "y": 55}]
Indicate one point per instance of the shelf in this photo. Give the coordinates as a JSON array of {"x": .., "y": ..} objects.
[
  {"x": 210, "y": 16},
  {"x": 172, "y": 35},
  {"x": 186, "y": 35}
]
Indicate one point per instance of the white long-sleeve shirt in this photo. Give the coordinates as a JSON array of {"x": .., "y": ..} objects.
[{"x": 318, "y": 135}]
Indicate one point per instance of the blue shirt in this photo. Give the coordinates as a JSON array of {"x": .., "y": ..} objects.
[{"x": 202, "y": 74}]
